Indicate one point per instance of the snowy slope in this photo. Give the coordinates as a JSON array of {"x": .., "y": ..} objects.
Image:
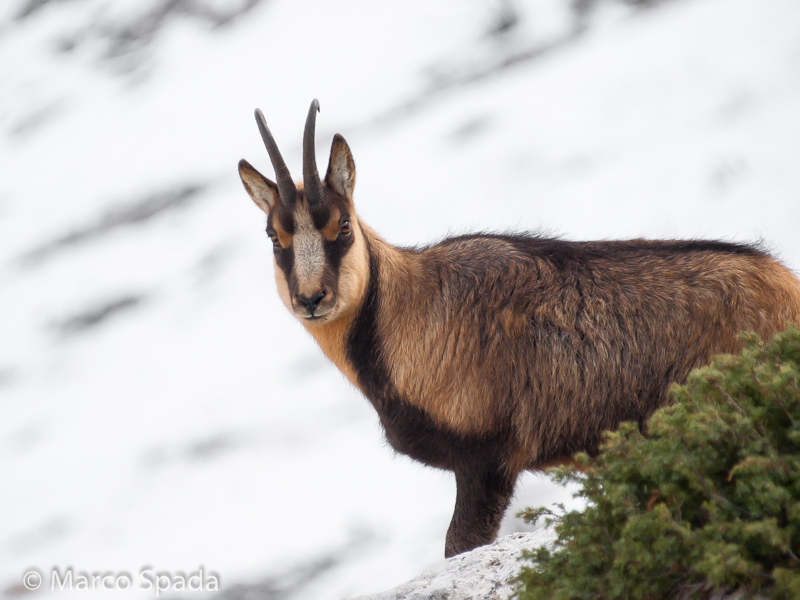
[{"x": 160, "y": 406}]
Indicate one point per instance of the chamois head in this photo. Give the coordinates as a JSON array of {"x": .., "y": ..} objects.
[{"x": 319, "y": 252}]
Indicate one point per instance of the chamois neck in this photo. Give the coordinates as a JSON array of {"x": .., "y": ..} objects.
[
  {"x": 393, "y": 265},
  {"x": 370, "y": 262}
]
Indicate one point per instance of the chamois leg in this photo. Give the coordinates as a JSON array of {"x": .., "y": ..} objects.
[{"x": 481, "y": 499}]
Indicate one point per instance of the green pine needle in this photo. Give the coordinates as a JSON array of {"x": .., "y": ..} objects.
[{"x": 708, "y": 500}]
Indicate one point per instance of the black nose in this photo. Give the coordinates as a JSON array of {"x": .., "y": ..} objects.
[{"x": 312, "y": 302}]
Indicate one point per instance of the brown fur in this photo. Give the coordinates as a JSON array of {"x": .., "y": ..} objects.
[{"x": 553, "y": 347}]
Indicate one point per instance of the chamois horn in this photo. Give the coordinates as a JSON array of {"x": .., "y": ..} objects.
[
  {"x": 313, "y": 186},
  {"x": 286, "y": 189}
]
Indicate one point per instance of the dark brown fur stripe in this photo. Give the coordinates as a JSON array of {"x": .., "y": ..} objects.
[
  {"x": 563, "y": 252},
  {"x": 408, "y": 429},
  {"x": 335, "y": 251},
  {"x": 284, "y": 257}
]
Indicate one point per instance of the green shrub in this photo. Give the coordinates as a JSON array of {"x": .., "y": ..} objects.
[{"x": 708, "y": 500}]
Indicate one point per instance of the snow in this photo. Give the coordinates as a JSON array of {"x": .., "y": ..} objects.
[{"x": 196, "y": 424}]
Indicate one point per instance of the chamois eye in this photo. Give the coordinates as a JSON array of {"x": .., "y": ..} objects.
[
  {"x": 344, "y": 228},
  {"x": 274, "y": 239}
]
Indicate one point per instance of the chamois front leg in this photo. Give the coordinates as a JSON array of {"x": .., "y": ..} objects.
[{"x": 482, "y": 496}]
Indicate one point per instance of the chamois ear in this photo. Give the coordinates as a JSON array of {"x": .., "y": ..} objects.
[
  {"x": 263, "y": 192},
  {"x": 341, "y": 176}
]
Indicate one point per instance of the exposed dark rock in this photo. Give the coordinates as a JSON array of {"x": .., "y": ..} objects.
[
  {"x": 32, "y": 6},
  {"x": 96, "y": 315},
  {"x": 505, "y": 19},
  {"x": 132, "y": 213},
  {"x": 124, "y": 39}
]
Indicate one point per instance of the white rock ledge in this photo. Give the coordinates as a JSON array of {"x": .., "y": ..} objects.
[{"x": 481, "y": 574}]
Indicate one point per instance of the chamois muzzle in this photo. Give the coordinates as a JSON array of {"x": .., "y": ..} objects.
[
  {"x": 314, "y": 191},
  {"x": 286, "y": 189},
  {"x": 310, "y": 302}
]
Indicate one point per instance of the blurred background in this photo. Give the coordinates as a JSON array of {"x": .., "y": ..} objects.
[{"x": 160, "y": 407}]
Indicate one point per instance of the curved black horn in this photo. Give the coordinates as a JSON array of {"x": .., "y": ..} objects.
[
  {"x": 313, "y": 186},
  {"x": 286, "y": 189}
]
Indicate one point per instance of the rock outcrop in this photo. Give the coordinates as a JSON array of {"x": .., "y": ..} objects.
[{"x": 481, "y": 574}]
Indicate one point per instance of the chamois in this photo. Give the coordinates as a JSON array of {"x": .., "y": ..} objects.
[{"x": 491, "y": 354}]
